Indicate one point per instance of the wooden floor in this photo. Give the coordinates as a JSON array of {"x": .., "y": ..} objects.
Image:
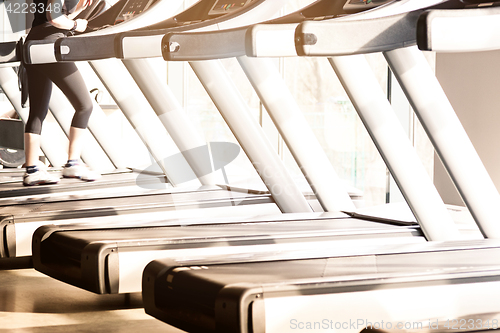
[{"x": 33, "y": 302}]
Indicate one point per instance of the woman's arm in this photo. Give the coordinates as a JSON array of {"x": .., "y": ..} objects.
[{"x": 57, "y": 17}]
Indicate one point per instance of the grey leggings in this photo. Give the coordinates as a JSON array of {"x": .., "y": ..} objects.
[{"x": 67, "y": 77}]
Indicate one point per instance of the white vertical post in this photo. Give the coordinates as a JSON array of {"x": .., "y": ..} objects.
[
  {"x": 448, "y": 137},
  {"x": 250, "y": 135},
  {"x": 139, "y": 113},
  {"x": 399, "y": 155},
  {"x": 299, "y": 138},
  {"x": 173, "y": 118}
]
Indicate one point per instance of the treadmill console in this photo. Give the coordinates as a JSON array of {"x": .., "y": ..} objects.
[
  {"x": 226, "y": 6},
  {"x": 359, "y": 5},
  {"x": 133, "y": 8}
]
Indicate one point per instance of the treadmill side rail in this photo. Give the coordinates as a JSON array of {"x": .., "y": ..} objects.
[
  {"x": 86, "y": 48},
  {"x": 315, "y": 38},
  {"x": 271, "y": 40},
  {"x": 39, "y": 52},
  {"x": 465, "y": 30},
  {"x": 134, "y": 46},
  {"x": 204, "y": 45}
]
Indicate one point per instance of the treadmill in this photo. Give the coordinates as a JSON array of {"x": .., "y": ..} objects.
[
  {"x": 431, "y": 286},
  {"x": 118, "y": 182},
  {"x": 424, "y": 94},
  {"x": 371, "y": 105},
  {"x": 101, "y": 159},
  {"x": 183, "y": 134},
  {"x": 113, "y": 20},
  {"x": 252, "y": 139},
  {"x": 200, "y": 16},
  {"x": 139, "y": 44},
  {"x": 419, "y": 84},
  {"x": 380, "y": 291},
  {"x": 27, "y": 218},
  {"x": 18, "y": 222},
  {"x": 43, "y": 52},
  {"x": 10, "y": 186},
  {"x": 111, "y": 260},
  {"x": 311, "y": 160},
  {"x": 137, "y": 249}
]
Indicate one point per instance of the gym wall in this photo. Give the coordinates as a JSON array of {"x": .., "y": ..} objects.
[{"x": 471, "y": 82}]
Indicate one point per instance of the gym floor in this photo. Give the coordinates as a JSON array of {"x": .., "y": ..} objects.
[{"x": 33, "y": 302}]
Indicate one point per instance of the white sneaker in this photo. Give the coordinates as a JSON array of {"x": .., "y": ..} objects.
[
  {"x": 80, "y": 171},
  {"x": 40, "y": 177}
]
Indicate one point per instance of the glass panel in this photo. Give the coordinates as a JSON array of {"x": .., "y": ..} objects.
[
  {"x": 327, "y": 109},
  {"x": 203, "y": 113},
  {"x": 337, "y": 127}
]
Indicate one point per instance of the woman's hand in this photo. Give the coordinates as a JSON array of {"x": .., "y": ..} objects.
[{"x": 67, "y": 21}]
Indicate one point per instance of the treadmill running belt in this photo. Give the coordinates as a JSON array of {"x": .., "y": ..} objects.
[
  {"x": 111, "y": 260},
  {"x": 239, "y": 297}
]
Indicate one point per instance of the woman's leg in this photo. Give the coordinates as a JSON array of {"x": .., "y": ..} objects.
[
  {"x": 67, "y": 77},
  {"x": 40, "y": 89},
  {"x": 75, "y": 169},
  {"x": 31, "y": 148},
  {"x": 76, "y": 142}
]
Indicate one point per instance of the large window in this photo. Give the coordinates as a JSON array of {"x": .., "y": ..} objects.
[
  {"x": 322, "y": 100},
  {"x": 328, "y": 111}
]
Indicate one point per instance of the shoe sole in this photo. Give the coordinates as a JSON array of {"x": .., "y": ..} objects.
[{"x": 40, "y": 183}]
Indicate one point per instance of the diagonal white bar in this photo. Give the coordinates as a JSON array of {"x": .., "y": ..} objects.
[
  {"x": 448, "y": 136},
  {"x": 251, "y": 137},
  {"x": 300, "y": 139},
  {"x": 399, "y": 155}
]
